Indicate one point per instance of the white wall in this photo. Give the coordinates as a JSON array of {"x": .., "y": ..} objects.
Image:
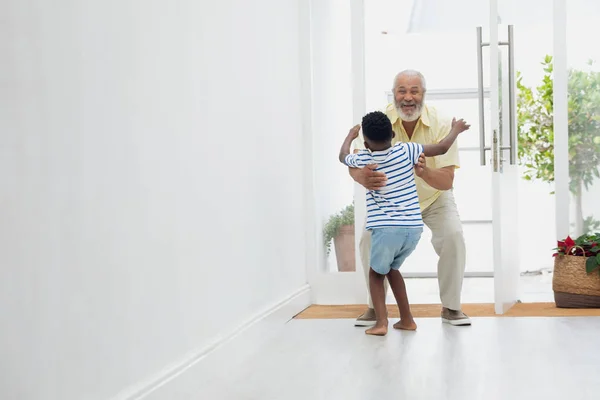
[{"x": 151, "y": 184}]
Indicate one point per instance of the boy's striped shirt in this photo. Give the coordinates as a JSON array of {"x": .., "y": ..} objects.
[{"x": 397, "y": 203}]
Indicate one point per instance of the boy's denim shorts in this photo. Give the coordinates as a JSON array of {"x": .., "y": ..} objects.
[{"x": 390, "y": 247}]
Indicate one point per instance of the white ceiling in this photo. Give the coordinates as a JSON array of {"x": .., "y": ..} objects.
[{"x": 423, "y": 16}]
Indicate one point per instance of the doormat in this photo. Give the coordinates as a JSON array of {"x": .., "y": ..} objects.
[{"x": 434, "y": 310}]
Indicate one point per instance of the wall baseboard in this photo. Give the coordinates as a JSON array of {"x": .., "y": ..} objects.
[{"x": 190, "y": 374}]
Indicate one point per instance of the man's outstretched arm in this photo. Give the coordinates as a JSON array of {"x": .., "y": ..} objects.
[{"x": 368, "y": 178}]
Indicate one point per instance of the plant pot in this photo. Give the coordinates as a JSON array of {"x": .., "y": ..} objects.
[
  {"x": 573, "y": 287},
  {"x": 344, "y": 249}
]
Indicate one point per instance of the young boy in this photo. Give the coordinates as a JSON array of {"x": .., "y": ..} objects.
[{"x": 393, "y": 212}]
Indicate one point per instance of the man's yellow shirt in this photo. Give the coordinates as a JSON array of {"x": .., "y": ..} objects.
[{"x": 430, "y": 129}]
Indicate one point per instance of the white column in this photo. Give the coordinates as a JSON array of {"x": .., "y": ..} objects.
[
  {"x": 314, "y": 258},
  {"x": 357, "y": 34},
  {"x": 359, "y": 98},
  {"x": 561, "y": 120}
]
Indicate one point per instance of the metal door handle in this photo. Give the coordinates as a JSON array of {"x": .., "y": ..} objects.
[
  {"x": 511, "y": 97},
  {"x": 480, "y": 96}
]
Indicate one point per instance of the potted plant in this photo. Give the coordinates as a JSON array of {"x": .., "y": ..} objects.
[
  {"x": 576, "y": 280},
  {"x": 340, "y": 229}
]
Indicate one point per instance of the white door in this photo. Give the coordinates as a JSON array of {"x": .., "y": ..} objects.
[
  {"x": 502, "y": 151},
  {"x": 486, "y": 187}
]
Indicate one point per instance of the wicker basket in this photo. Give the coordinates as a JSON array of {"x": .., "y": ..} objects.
[{"x": 573, "y": 287}]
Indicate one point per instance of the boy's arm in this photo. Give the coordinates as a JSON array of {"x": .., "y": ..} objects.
[
  {"x": 437, "y": 178},
  {"x": 437, "y": 149},
  {"x": 367, "y": 177},
  {"x": 345, "y": 150}
]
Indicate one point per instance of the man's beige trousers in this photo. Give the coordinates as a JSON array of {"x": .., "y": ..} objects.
[{"x": 448, "y": 242}]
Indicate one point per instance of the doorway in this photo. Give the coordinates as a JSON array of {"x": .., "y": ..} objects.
[
  {"x": 499, "y": 209},
  {"x": 509, "y": 225}
]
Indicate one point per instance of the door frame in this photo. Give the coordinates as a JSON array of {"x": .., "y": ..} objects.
[
  {"x": 561, "y": 120},
  {"x": 350, "y": 287}
]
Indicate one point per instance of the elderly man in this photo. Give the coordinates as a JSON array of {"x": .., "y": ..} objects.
[{"x": 413, "y": 121}]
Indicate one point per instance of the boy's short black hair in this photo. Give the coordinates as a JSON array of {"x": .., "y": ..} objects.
[{"x": 376, "y": 127}]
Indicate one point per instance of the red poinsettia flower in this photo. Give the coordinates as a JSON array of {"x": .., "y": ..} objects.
[
  {"x": 567, "y": 245},
  {"x": 586, "y": 246},
  {"x": 569, "y": 242}
]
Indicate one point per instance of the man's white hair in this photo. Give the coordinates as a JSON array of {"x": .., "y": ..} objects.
[{"x": 410, "y": 72}]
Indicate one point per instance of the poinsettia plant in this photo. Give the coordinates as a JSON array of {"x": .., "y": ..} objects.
[{"x": 584, "y": 246}]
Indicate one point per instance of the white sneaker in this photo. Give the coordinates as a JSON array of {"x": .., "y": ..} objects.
[
  {"x": 366, "y": 319},
  {"x": 456, "y": 318}
]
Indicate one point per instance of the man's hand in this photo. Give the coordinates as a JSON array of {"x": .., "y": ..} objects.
[
  {"x": 368, "y": 178},
  {"x": 460, "y": 125},
  {"x": 421, "y": 166}
]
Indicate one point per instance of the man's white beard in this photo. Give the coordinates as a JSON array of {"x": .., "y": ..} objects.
[{"x": 410, "y": 118}]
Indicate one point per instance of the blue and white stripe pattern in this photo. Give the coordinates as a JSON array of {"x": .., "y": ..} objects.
[{"x": 397, "y": 203}]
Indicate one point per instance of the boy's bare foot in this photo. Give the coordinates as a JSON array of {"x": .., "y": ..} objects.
[
  {"x": 378, "y": 330},
  {"x": 406, "y": 325}
]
